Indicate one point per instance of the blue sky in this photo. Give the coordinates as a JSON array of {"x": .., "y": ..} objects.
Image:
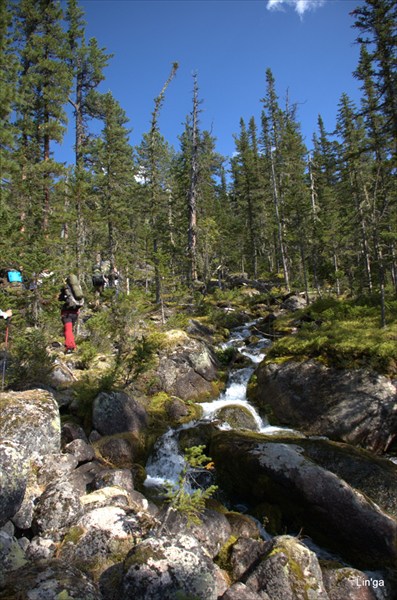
[{"x": 308, "y": 44}]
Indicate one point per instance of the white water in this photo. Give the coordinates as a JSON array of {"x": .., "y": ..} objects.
[{"x": 166, "y": 462}]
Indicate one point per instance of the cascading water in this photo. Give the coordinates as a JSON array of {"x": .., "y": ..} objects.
[{"x": 166, "y": 462}]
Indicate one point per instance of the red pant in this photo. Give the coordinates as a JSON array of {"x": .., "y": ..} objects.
[{"x": 68, "y": 320}]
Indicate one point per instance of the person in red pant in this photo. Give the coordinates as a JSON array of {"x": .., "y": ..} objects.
[{"x": 69, "y": 316}]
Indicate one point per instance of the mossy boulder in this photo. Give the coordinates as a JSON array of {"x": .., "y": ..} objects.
[
  {"x": 354, "y": 406},
  {"x": 187, "y": 367},
  {"x": 238, "y": 417},
  {"x": 348, "y": 514},
  {"x": 288, "y": 570},
  {"x": 166, "y": 568},
  {"x": 31, "y": 419},
  {"x": 53, "y": 579}
]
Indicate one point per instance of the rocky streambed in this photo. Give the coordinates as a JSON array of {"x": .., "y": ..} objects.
[{"x": 298, "y": 515}]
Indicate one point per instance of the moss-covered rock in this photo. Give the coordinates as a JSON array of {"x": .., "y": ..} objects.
[
  {"x": 32, "y": 420},
  {"x": 254, "y": 468},
  {"x": 354, "y": 406}
]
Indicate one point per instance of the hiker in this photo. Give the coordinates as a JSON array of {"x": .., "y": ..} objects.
[
  {"x": 72, "y": 298},
  {"x": 6, "y": 314},
  {"x": 99, "y": 279}
]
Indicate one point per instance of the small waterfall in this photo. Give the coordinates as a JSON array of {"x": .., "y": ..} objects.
[{"x": 166, "y": 462}]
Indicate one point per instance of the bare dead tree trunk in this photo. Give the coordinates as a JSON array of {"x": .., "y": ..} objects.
[{"x": 193, "y": 189}]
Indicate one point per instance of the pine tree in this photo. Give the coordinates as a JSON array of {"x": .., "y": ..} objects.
[
  {"x": 113, "y": 183},
  {"x": 86, "y": 62},
  {"x": 376, "y": 21}
]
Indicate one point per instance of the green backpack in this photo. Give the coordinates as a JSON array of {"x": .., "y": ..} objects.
[{"x": 74, "y": 287}]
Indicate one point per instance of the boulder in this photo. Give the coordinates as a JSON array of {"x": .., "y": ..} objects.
[
  {"x": 54, "y": 579},
  {"x": 350, "y": 584},
  {"x": 31, "y": 419},
  {"x": 187, "y": 367},
  {"x": 239, "y": 591},
  {"x": 56, "y": 508},
  {"x": 238, "y": 417},
  {"x": 354, "y": 406},
  {"x": 255, "y": 469},
  {"x": 12, "y": 557},
  {"x": 288, "y": 571},
  {"x": 117, "y": 412},
  {"x": 13, "y": 478},
  {"x": 81, "y": 450},
  {"x": 212, "y": 532},
  {"x": 166, "y": 568},
  {"x": 100, "y": 538}
]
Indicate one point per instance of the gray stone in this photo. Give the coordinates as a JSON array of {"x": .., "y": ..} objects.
[
  {"x": 354, "y": 406},
  {"x": 13, "y": 478},
  {"x": 31, "y": 419},
  {"x": 117, "y": 412}
]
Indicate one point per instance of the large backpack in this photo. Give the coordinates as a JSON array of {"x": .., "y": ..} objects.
[
  {"x": 73, "y": 292},
  {"x": 11, "y": 280}
]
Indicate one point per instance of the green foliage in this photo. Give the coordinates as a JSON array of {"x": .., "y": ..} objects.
[
  {"x": 190, "y": 504},
  {"x": 29, "y": 363},
  {"x": 344, "y": 333},
  {"x": 87, "y": 353},
  {"x": 226, "y": 355}
]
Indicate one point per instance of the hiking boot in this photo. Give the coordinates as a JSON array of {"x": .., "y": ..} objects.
[{"x": 69, "y": 351}]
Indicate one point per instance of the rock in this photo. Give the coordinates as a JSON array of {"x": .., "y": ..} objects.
[
  {"x": 238, "y": 417},
  {"x": 187, "y": 367},
  {"x": 242, "y": 525},
  {"x": 293, "y": 302},
  {"x": 56, "y": 508},
  {"x": 119, "y": 477},
  {"x": 82, "y": 451},
  {"x": 41, "y": 549},
  {"x": 244, "y": 554},
  {"x": 289, "y": 571},
  {"x": 239, "y": 591},
  {"x": 350, "y": 584},
  {"x": 106, "y": 496},
  {"x": 213, "y": 531},
  {"x": 71, "y": 431},
  {"x": 13, "y": 478},
  {"x": 120, "y": 451},
  {"x": 31, "y": 418},
  {"x": 254, "y": 468},
  {"x": 103, "y": 536},
  {"x": 49, "y": 580},
  {"x": 12, "y": 557},
  {"x": 166, "y": 568},
  {"x": 24, "y": 516},
  {"x": 61, "y": 376},
  {"x": 356, "y": 406},
  {"x": 117, "y": 412},
  {"x": 195, "y": 328},
  {"x": 54, "y": 467}
]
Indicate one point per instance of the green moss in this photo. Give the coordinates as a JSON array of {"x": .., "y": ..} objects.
[
  {"x": 140, "y": 555},
  {"x": 73, "y": 535},
  {"x": 341, "y": 333},
  {"x": 224, "y": 555}
]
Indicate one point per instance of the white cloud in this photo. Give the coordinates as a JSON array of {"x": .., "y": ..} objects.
[{"x": 301, "y": 6}]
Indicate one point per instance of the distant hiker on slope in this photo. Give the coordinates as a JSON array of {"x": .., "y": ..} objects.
[{"x": 72, "y": 297}]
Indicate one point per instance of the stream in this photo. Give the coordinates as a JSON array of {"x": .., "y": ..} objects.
[{"x": 166, "y": 462}]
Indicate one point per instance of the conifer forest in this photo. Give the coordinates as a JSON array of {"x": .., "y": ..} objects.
[{"x": 319, "y": 220}]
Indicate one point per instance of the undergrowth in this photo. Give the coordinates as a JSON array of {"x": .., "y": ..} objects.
[{"x": 343, "y": 333}]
